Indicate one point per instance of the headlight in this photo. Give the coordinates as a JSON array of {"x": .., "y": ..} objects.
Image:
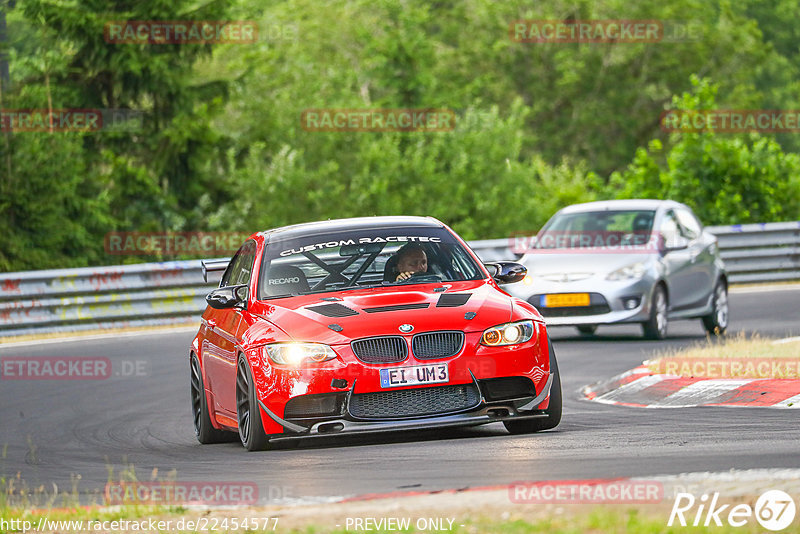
[
  {"x": 508, "y": 334},
  {"x": 629, "y": 272},
  {"x": 296, "y": 354}
]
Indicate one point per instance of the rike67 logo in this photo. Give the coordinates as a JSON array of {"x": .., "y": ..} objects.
[{"x": 774, "y": 510}]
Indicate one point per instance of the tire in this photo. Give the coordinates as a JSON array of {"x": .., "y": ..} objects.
[
  {"x": 587, "y": 329},
  {"x": 248, "y": 412},
  {"x": 203, "y": 429},
  {"x": 716, "y": 322},
  {"x": 553, "y": 411},
  {"x": 656, "y": 326}
]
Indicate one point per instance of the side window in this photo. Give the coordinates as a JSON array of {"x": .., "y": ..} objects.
[
  {"x": 226, "y": 276},
  {"x": 690, "y": 227},
  {"x": 669, "y": 228},
  {"x": 241, "y": 266}
]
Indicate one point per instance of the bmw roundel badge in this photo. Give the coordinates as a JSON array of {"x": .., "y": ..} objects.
[{"x": 406, "y": 328}]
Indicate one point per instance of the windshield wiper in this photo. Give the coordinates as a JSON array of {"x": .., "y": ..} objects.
[
  {"x": 336, "y": 289},
  {"x": 281, "y": 296}
]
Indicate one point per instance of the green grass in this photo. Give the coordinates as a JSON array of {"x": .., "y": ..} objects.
[{"x": 19, "y": 500}]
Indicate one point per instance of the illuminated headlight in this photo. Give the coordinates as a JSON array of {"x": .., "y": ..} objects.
[
  {"x": 296, "y": 354},
  {"x": 509, "y": 334},
  {"x": 629, "y": 272}
]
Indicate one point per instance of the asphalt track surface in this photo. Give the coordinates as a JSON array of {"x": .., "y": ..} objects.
[{"x": 55, "y": 431}]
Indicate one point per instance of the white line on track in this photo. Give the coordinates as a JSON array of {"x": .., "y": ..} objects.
[
  {"x": 786, "y": 340},
  {"x": 764, "y": 289},
  {"x": 791, "y": 402},
  {"x": 137, "y": 333}
]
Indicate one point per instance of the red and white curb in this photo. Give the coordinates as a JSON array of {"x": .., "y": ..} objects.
[{"x": 643, "y": 388}]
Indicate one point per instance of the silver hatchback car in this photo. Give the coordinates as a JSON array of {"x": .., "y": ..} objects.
[{"x": 625, "y": 261}]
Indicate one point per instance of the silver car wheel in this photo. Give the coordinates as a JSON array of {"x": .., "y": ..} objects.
[
  {"x": 656, "y": 325},
  {"x": 661, "y": 313},
  {"x": 721, "y": 306}
]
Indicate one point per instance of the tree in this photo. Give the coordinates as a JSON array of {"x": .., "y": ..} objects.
[{"x": 725, "y": 178}]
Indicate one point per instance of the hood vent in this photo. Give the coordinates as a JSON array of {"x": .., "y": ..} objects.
[
  {"x": 397, "y": 307},
  {"x": 453, "y": 300},
  {"x": 333, "y": 310}
]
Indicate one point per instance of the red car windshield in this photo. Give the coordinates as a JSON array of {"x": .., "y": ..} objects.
[{"x": 363, "y": 258}]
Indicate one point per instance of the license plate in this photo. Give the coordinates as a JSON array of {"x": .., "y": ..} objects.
[
  {"x": 411, "y": 376},
  {"x": 563, "y": 300}
]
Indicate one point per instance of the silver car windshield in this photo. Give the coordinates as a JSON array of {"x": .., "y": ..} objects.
[{"x": 596, "y": 229}]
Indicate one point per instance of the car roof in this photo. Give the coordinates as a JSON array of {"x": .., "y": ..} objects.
[
  {"x": 355, "y": 223},
  {"x": 625, "y": 204}
]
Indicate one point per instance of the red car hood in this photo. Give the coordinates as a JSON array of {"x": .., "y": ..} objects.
[{"x": 307, "y": 317}]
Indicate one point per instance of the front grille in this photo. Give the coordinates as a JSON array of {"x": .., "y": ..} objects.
[
  {"x": 385, "y": 349},
  {"x": 414, "y": 402},
  {"x": 574, "y": 311},
  {"x": 433, "y": 345}
]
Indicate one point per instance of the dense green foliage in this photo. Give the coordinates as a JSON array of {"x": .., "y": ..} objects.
[
  {"x": 539, "y": 126},
  {"x": 726, "y": 179}
]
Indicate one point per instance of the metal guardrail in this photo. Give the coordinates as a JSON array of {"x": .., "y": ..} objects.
[
  {"x": 87, "y": 298},
  {"x": 174, "y": 292},
  {"x": 765, "y": 252}
]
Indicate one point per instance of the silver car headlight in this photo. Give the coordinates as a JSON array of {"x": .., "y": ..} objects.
[
  {"x": 296, "y": 354},
  {"x": 508, "y": 334},
  {"x": 629, "y": 272}
]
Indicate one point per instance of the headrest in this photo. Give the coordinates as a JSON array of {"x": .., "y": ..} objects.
[
  {"x": 642, "y": 222},
  {"x": 390, "y": 269},
  {"x": 285, "y": 279}
]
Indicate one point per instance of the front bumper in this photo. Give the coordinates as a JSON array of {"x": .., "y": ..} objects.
[
  {"x": 613, "y": 296},
  {"x": 485, "y": 411},
  {"x": 287, "y": 395}
]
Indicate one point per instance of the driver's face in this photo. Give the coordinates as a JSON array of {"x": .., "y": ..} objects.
[{"x": 414, "y": 262}]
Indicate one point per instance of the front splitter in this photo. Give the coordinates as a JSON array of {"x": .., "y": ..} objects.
[{"x": 485, "y": 413}]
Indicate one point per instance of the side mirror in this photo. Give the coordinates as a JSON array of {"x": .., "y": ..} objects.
[
  {"x": 506, "y": 272},
  {"x": 677, "y": 242},
  {"x": 227, "y": 297}
]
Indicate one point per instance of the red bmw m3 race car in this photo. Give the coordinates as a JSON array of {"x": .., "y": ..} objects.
[{"x": 367, "y": 325}]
